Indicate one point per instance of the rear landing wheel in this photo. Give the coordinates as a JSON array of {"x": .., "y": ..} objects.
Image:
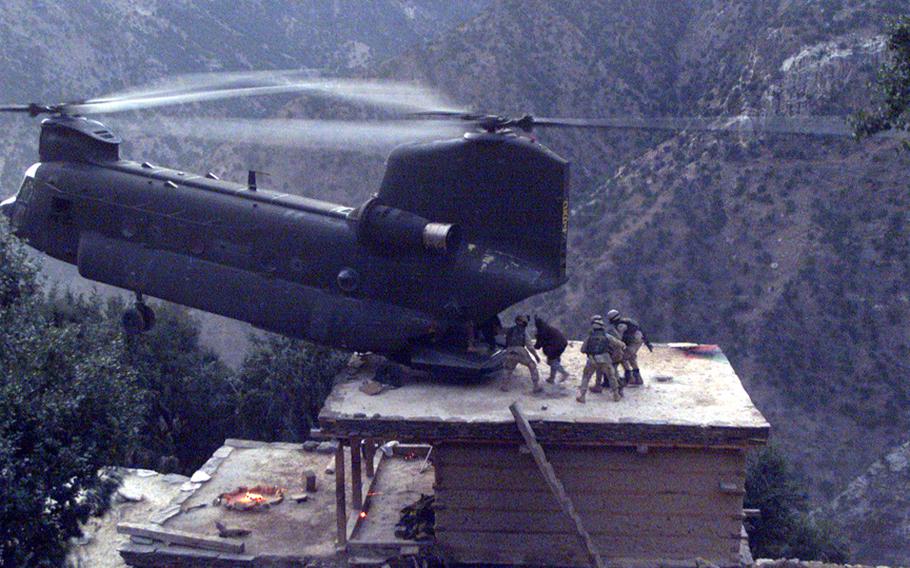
[
  {"x": 148, "y": 316},
  {"x": 138, "y": 319}
]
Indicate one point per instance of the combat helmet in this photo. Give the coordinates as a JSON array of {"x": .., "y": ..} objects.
[
  {"x": 521, "y": 320},
  {"x": 597, "y": 322},
  {"x": 613, "y": 315}
]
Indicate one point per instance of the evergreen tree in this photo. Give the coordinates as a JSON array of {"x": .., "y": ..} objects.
[
  {"x": 283, "y": 384},
  {"x": 68, "y": 409},
  {"x": 893, "y": 111},
  {"x": 784, "y": 529}
]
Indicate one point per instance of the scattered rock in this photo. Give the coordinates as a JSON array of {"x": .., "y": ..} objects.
[
  {"x": 300, "y": 497},
  {"x": 126, "y": 495},
  {"x": 223, "y": 452},
  {"x": 663, "y": 378},
  {"x": 194, "y": 507},
  {"x": 371, "y": 387},
  {"x": 310, "y": 445},
  {"x": 200, "y": 477},
  {"x": 329, "y": 470},
  {"x": 163, "y": 515},
  {"x": 175, "y": 478},
  {"x": 190, "y": 486},
  {"x": 327, "y": 447},
  {"x": 230, "y": 532}
]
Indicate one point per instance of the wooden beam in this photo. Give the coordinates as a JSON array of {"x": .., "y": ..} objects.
[
  {"x": 181, "y": 538},
  {"x": 549, "y": 475},
  {"x": 356, "y": 477},
  {"x": 369, "y": 456},
  {"x": 341, "y": 512}
]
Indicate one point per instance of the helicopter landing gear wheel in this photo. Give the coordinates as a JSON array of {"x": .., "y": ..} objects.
[{"x": 138, "y": 319}]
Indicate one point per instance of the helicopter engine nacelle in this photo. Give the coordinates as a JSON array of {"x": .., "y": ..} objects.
[
  {"x": 393, "y": 230},
  {"x": 74, "y": 138}
]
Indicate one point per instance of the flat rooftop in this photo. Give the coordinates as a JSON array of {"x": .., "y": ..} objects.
[
  {"x": 691, "y": 396},
  {"x": 289, "y": 533}
]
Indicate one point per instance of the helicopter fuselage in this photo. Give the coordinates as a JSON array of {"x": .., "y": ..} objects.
[{"x": 373, "y": 278}]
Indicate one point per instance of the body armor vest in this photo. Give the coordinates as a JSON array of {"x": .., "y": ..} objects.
[{"x": 516, "y": 337}]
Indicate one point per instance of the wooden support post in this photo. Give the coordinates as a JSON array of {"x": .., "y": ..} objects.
[
  {"x": 556, "y": 486},
  {"x": 356, "y": 477},
  {"x": 369, "y": 456},
  {"x": 341, "y": 511}
]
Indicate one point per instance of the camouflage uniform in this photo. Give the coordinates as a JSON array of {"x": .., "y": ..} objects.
[
  {"x": 599, "y": 347},
  {"x": 629, "y": 331},
  {"x": 517, "y": 353}
]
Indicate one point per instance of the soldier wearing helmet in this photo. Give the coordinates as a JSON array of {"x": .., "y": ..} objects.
[
  {"x": 519, "y": 352},
  {"x": 629, "y": 331},
  {"x": 600, "y": 348}
]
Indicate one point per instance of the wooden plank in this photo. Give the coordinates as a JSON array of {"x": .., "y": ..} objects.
[
  {"x": 612, "y": 502},
  {"x": 435, "y": 431},
  {"x": 509, "y": 456},
  {"x": 341, "y": 511},
  {"x": 181, "y": 538},
  {"x": 578, "y": 481},
  {"x": 548, "y": 550},
  {"x": 369, "y": 456},
  {"x": 356, "y": 477},
  {"x": 595, "y": 523},
  {"x": 556, "y": 486}
]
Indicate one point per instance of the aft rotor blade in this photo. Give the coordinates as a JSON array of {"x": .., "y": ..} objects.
[
  {"x": 207, "y": 87},
  {"x": 805, "y": 125},
  {"x": 319, "y": 134}
]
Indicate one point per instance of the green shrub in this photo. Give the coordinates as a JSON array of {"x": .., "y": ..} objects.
[
  {"x": 785, "y": 529},
  {"x": 282, "y": 385},
  {"x": 69, "y": 407}
]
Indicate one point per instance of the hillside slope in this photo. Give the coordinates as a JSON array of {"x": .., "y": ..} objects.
[{"x": 874, "y": 510}]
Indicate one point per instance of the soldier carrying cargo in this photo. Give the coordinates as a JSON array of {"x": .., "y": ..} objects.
[
  {"x": 600, "y": 348},
  {"x": 553, "y": 343},
  {"x": 629, "y": 331},
  {"x": 519, "y": 351}
]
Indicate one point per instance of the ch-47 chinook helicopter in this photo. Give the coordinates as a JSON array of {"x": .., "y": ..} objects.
[{"x": 459, "y": 229}]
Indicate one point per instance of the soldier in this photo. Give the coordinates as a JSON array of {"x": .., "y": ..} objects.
[
  {"x": 630, "y": 333},
  {"x": 553, "y": 343},
  {"x": 598, "y": 347},
  {"x": 518, "y": 350}
]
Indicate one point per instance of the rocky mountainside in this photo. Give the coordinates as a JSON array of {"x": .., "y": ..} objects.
[
  {"x": 875, "y": 510},
  {"x": 789, "y": 251},
  {"x": 792, "y": 252},
  {"x": 82, "y": 48}
]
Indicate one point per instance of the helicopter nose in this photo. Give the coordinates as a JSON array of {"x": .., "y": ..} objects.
[{"x": 6, "y": 206}]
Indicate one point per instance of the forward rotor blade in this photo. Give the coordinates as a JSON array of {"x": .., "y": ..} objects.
[
  {"x": 320, "y": 134},
  {"x": 213, "y": 86},
  {"x": 32, "y": 109}
]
